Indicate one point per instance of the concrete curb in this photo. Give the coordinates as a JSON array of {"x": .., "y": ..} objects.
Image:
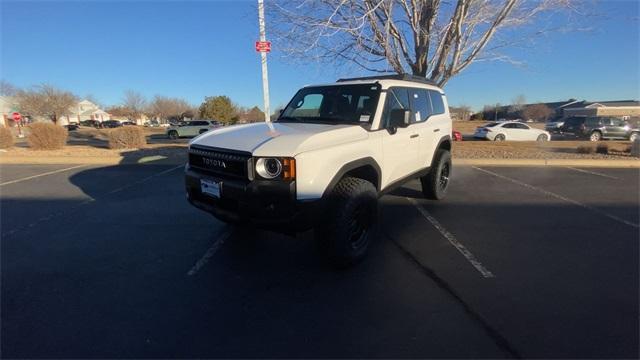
[
  {"x": 550, "y": 162},
  {"x": 106, "y": 160}
]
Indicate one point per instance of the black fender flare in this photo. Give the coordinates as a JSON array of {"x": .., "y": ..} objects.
[
  {"x": 446, "y": 138},
  {"x": 350, "y": 166}
]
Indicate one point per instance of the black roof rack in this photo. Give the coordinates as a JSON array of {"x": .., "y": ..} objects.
[{"x": 405, "y": 77}]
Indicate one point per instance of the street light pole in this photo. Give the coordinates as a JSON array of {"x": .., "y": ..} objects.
[{"x": 263, "y": 55}]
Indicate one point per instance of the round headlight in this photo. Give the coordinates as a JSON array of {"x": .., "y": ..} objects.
[{"x": 268, "y": 168}]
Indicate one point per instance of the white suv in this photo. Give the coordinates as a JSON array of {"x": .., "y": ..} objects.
[
  {"x": 190, "y": 128},
  {"x": 323, "y": 164}
]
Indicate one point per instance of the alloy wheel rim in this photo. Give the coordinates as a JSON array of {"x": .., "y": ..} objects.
[
  {"x": 443, "y": 180},
  {"x": 359, "y": 227}
]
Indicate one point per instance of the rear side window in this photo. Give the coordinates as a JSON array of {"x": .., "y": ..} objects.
[
  {"x": 420, "y": 105},
  {"x": 436, "y": 102},
  {"x": 617, "y": 122},
  {"x": 574, "y": 121}
]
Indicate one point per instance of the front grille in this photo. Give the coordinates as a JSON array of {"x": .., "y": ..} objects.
[{"x": 220, "y": 161}]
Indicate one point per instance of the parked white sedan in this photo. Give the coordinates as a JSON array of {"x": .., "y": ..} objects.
[{"x": 510, "y": 130}]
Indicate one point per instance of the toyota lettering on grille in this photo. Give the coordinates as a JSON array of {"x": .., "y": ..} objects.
[{"x": 214, "y": 163}]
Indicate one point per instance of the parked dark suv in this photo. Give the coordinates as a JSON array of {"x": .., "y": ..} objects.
[{"x": 598, "y": 128}]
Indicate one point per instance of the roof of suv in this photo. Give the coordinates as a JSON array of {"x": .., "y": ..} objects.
[{"x": 387, "y": 80}]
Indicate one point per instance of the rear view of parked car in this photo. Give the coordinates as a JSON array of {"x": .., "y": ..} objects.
[
  {"x": 512, "y": 131},
  {"x": 111, "y": 124},
  {"x": 190, "y": 128},
  {"x": 599, "y": 128},
  {"x": 554, "y": 126}
]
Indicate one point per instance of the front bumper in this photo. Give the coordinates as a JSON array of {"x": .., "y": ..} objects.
[{"x": 265, "y": 204}]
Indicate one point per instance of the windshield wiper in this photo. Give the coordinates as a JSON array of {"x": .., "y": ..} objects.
[{"x": 288, "y": 118}]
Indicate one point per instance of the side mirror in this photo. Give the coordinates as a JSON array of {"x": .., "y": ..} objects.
[{"x": 399, "y": 118}]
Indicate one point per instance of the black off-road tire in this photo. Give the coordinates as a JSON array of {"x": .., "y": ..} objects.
[
  {"x": 349, "y": 226},
  {"x": 436, "y": 182}
]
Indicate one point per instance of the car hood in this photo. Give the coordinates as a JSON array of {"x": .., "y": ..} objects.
[{"x": 280, "y": 139}]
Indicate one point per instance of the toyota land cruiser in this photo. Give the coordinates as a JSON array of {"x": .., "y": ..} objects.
[{"x": 324, "y": 162}]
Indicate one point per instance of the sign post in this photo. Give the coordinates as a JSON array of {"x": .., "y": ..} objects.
[{"x": 263, "y": 46}]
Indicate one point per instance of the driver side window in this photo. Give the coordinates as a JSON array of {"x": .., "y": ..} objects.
[
  {"x": 397, "y": 98},
  {"x": 308, "y": 106}
]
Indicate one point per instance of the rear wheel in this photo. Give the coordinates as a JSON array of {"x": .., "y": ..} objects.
[
  {"x": 346, "y": 232},
  {"x": 633, "y": 137},
  {"x": 499, "y": 137},
  {"x": 173, "y": 134},
  {"x": 595, "y": 136},
  {"x": 542, "y": 137},
  {"x": 436, "y": 182}
]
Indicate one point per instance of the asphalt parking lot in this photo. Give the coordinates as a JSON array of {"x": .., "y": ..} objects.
[{"x": 516, "y": 262}]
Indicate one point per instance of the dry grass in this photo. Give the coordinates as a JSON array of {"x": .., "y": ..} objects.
[
  {"x": 602, "y": 149},
  {"x": 6, "y": 138},
  {"x": 47, "y": 136},
  {"x": 127, "y": 137},
  {"x": 585, "y": 149}
]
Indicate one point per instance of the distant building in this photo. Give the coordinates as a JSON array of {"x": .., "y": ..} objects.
[
  {"x": 84, "y": 110},
  {"x": 622, "y": 108},
  {"x": 7, "y": 107}
]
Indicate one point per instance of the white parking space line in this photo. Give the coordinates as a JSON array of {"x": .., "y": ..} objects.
[
  {"x": 40, "y": 175},
  {"x": 452, "y": 239},
  {"x": 210, "y": 252},
  {"x": 552, "y": 194},
  {"x": 594, "y": 173}
]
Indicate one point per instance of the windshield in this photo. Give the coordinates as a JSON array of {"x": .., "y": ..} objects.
[{"x": 336, "y": 104}]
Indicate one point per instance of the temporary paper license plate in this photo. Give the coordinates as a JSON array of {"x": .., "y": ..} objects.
[{"x": 210, "y": 187}]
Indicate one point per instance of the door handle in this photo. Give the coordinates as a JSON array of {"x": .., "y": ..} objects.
[
  {"x": 436, "y": 130},
  {"x": 414, "y": 136}
]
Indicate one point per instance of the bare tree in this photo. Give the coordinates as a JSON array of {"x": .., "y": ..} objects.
[
  {"x": 537, "y": 112},
  {"x": 134, "y": 103},
  {"x": 462, "y": 112},
  {"x": 517, "y": 105},
  {"x": 430, "y": 38},
  {"x": 166, "y": 108},
  {"x": 7, "y": 88},
  {"x": 46, "y": 100}
]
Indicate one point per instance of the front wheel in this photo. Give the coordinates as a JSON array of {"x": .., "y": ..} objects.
[
  {"x": 173, "y": 134},
  {"x": 633, "y": 137},
  {"x": 542, "y": 137},
  {"x": 346, "y": 232},
  {"x": 436, "y": 182},
  {"x": 595, "y": 136}
]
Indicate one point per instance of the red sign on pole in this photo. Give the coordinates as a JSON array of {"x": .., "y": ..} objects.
[
  {"x": 263, "y": 46},
  {"x": 16, "y": 116}
]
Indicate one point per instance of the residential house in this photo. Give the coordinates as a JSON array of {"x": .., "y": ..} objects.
[
  {"x": 84, "y": 110},
  {"x": 621, "y": 108}
]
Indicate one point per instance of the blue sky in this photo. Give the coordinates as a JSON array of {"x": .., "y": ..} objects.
[{"x": 203, "y": 48}]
